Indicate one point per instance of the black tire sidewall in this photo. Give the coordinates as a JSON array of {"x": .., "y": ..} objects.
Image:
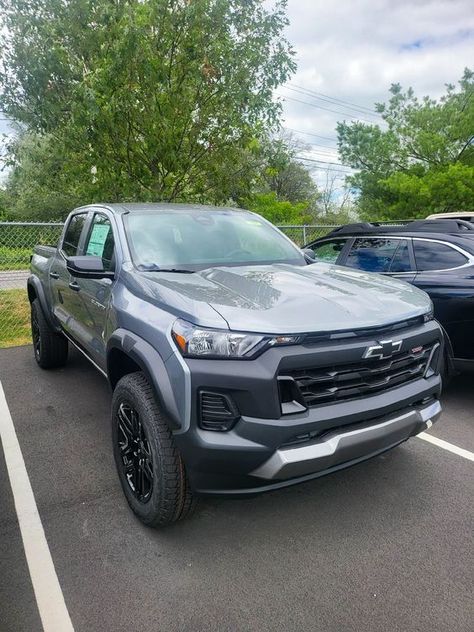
[{"x": 53, "y": 346}]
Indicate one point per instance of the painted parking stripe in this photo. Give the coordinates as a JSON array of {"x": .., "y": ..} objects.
[
  {"x": 447, "y": 446},
  {"x": 49, "y": 597}
]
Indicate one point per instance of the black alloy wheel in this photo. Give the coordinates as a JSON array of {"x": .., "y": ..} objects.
[
  {"x": 36, "y": 334},
  {"x": 150, "y": 468},
  {"x": 135, "y": 453}
]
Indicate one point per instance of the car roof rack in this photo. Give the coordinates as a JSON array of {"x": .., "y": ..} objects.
[{"x": 423, "y": 225}]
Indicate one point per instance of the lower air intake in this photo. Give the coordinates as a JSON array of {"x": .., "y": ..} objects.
[{"x": 216, "y": 411}]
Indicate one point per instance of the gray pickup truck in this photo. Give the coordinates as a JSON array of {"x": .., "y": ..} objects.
[{"x": 238, "y": 364}]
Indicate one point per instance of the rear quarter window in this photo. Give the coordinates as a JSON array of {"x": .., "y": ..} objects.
[{"x": 431, "y": 255}]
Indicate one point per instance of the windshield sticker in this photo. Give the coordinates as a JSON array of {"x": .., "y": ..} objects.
[{"x": 97, "y": 240}]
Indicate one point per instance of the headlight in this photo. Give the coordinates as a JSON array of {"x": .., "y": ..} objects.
[
  {"x": 198, "y": 342},
  {"x": 429, "y": 315}
]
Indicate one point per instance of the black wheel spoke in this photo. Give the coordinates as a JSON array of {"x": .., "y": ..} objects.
[
  {"x": 125, "y": 424},
  {"x": 35, "y": 330},
  {"x": 147, "y": 470},
  {"x": 136, "y": 456}
]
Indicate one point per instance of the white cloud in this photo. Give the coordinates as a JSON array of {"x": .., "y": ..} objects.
[{"x": 354, "y": 49}]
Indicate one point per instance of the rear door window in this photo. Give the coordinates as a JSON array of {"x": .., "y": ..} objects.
[
  {"x": 431, "y": 255},
  {"x": 329, "y": 251},
  {"x": 401, "y": 259},
  {"x": 73, "y": 234},
  {"x": 376, "y": 254}
]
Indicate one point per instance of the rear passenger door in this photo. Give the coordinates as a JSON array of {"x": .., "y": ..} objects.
[
  {"x": 440, "y": 274},
  {"x": 384, "y": 255}
]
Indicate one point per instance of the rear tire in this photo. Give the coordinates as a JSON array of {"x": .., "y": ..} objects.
[
  {"x": 149, "y": 466},
  {"x": 50, "y": 348}
]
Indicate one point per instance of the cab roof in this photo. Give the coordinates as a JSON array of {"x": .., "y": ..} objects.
[{"x": 140, "y": 207}]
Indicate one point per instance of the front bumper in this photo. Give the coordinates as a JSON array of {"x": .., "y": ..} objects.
[
  {"x": 343, "y": 447},
  {"x": 253, "y": 457},
  {"x": 267, "y": 449}
]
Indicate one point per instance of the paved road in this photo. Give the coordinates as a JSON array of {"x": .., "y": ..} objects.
[
  {"x": 385, "y": 546},
  {"x": 13, "y": 279}
]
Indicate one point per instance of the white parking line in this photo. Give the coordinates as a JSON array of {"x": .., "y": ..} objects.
[
  {"x": 49, "y": 597},
  {"x": 447, "y": 446}
]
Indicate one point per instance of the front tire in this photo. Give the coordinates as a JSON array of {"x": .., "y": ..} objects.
[
  {"x": 50, "y": 348},
  {"x": 149, "y": 465}
]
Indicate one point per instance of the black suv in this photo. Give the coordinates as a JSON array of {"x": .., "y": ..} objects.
[{"x": 435, "y": 255}]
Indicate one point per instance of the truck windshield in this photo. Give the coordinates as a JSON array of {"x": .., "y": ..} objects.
[{"x": 194, "y": 240}]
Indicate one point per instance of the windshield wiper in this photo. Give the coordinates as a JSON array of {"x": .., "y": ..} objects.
[{"x": 158, "y": 269}]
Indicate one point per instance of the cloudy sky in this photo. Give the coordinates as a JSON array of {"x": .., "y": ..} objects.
[{"x": 352, "y": 50}]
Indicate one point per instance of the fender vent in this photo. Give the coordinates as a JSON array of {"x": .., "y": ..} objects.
[{"x": 216, "y": 411}]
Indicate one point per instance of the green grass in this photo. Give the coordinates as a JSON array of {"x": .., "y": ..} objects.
[
  {"x": 14, "y": 318},
  {"x": 14, "y": 258}
]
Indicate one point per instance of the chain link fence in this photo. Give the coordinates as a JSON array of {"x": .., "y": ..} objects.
[
  {"x": 302, "y": 235},
  {"x": 17, "y": 240},
  {"x": 16, "y": 245}
]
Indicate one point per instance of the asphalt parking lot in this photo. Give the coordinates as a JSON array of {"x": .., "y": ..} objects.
[{"x": 386, "y": 545}]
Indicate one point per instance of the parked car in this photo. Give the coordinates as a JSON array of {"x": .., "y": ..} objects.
[
  {"x": 435, "y": 255},
  {"x": 467, "y": 216},
  {"x": 236, "y": 367}
]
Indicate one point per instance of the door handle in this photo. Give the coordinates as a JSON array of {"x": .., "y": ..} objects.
[
  {"x": 54, "y": 275},
  {"x": 74, "y": 285}
]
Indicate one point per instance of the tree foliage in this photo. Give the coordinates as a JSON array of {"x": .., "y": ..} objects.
[
  {"x": 283, "y": 173},
  {"x": 420, "y": 160},
  {"x": 283, "y": 190},
  {"x": 140, "y": 99},
  {"x": 279, "y": 211}
]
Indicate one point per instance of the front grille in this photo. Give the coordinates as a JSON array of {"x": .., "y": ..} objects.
[{"x": 350, "y": 381}]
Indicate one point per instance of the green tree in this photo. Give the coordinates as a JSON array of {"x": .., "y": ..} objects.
[
  {"x": 39, "y": 187},
  {"x": 283, "y": 190},
  {"x": 157, "y": 99},
  {"x": 279, "y": 211},
  {"x": 284, "y": 174},
  {"x": 421, "y": 160}
]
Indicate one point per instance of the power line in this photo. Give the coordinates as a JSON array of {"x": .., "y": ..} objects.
[
  {"x": 328, "y": 170},
  {"x": 309, "y": 93},
  {"x": 321, "y": 107},
  {"x": 300, "y": 131},
  {"x": 324, "y": 162},
  {"x": 322, "y": 96},
  {"x": 332, "y": 150}
]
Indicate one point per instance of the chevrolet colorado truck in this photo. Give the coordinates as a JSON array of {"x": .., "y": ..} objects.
[{"x": 238, "y": 364}]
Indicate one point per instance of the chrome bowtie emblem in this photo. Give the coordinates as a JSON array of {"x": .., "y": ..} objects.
[{"x": 384, "y": 349}]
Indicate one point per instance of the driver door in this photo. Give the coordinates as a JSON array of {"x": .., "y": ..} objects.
[{"x": 95, "y": 294}]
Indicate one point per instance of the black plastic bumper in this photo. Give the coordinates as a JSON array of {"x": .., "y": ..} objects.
[
  {"x": 232, "y": 463},
  {"x": 229, "y": 463}
]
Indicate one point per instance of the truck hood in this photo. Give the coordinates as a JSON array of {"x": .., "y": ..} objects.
[{"x": 281, "y": 298}]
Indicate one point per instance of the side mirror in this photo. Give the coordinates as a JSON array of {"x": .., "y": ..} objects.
[
  {"x": 309, "y": 255},
  {"x": 88, "y": 267}
]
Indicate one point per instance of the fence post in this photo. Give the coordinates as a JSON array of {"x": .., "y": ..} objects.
[{"x": 304, "y": 234}]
